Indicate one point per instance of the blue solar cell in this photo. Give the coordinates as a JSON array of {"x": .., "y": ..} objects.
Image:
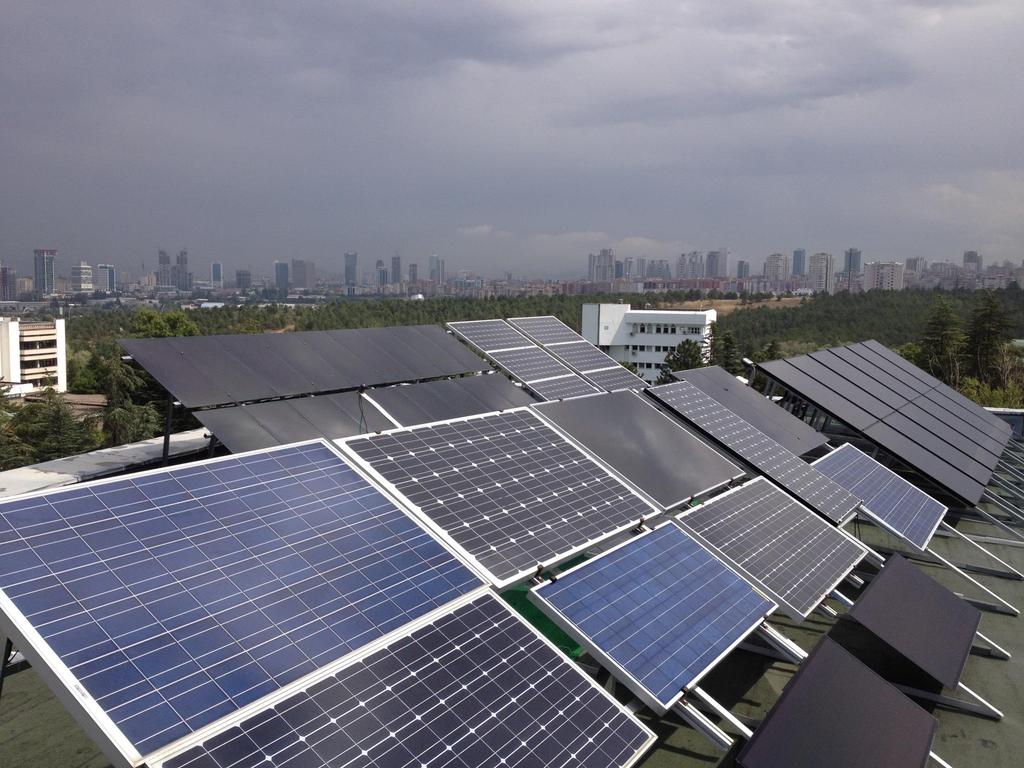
[
  {"x": 660, "y": 607},
  {"x": 178, "y": 596},
  {"x": 909, "y": 511}
]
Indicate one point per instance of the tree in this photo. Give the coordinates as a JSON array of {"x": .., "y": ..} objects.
[
  {"x": 13, "y": 451},
  {"x": 52, "y": 430},
  {"x": 685, "y": 356},
  {"x": 123, "y": 421},
  {"x": 148, "y": 323},
  {"x": 942, "y": 344},
  {"x": 770, "y": 351},
  {"x": 986, "y": 338},
  {"x": 726, "y": 353}
]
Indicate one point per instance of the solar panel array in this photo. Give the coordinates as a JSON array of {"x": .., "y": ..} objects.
[
  {"x": 522, "y": 359},
  {"x": 175, "y": 597},
  {"x": 788, "y": 470},
  {"x": 507, "y": 489},
  {"x": 411, "y": 404},
  {"x": 578, "y": 353},
  {"x": 659, "y": 608},
  {"x": 477, "y": 687},
  {"x": 796, "y": 557},
  {"x": 903, "y": 410},
  {"x": 216, "y": 370},
  {"x": 907, "y": 511}
]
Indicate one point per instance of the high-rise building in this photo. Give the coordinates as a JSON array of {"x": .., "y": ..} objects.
[
  {"x": 8, "y": 284},
  {"x": 351, "y": 270},
  {"x": 44, "y": 282},
  {"x": 437, "y": 269},
  {"x": 106, "y": 278},
  {"x": 181, "y": 278},
  {"x": 659, "y": 269},
  {"x": 601, "y": 266},
  {"x": 281, "y": 276},
  {"x": 641, "y": 267},
  {"x": 382, "y": 275},
  {"x": 396, "y": 269},
  {"x": 303, "y": 274},
  {"x": 742, "y": 269},
  {"x": 81, "y": 278},
  {"x": 628, "y": 268},
  {"x": 414, "y": 273},
  {"x": 973, "y": 262},
  {"x": 163, "y": 269},
  {"x": 821, "y": 273},
  {"x": 33, "y": 355},
  {"x": 243, "y": 279},
  {"x": 620, "y": 269},
  {"x": 883, "y": 276},
  {"x": 915, "y": 264},
  {"x": 851, "y": 261},
  {"x": 217, "y": 274},
  {"x": 691, "y": 266},
  {"x": 716, "y": 263},
  {"x": 777, "y": 267},
  {"x": 800, "y": 262}
]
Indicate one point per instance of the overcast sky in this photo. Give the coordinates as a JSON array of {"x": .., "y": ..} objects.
[{"x": 509, "y": 135}]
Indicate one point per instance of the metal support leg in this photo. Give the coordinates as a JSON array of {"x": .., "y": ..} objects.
[
  {"x": 839, "y": 597},
  {"x": 793, "y": 652},
  {"x": 939, "y": 761},
  {"x": 721, "y": 711},
  {"x": 994, "y": 650},
  {"x": 702, "y": 724},
  {"x": 8, "y": 649},
  {"x": 168, "y": 413},
  {"x": 1011, "y": 608},
  {"x": 978, "y": 707},
  {"x": 1015, "y": 574},
  {"x": 825, "y": 611}
]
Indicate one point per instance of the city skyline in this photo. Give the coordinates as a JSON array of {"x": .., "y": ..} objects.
[{"x": 505, "y": 133}]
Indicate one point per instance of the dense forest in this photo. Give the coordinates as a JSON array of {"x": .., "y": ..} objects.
[{"x": 962, "y": 337}]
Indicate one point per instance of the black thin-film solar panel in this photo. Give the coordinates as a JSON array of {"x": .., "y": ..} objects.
[
  {"x": 506, "y": 489},
  {"x": 795, "y": 556},
  {"x": 476, "y": 687},
  {"x": 489, "y": 335},
  {"x": 788, "y": 470}
]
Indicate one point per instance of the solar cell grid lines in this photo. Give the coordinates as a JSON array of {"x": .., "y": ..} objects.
[
  {"x": 660, "y": 608},
  {"x": 582, "y": 355},
  {"x": 805, "y": 482},
  {"x": 177, "y": 596},
  {"x": 907, "y": 511},
  {"x": 563, "y": 387},
  {"x": 529, "y": 365},
  {"x": 795, "y": 556},
  {"x": 545, "y": 329},
  {"x": 476, "y": 687},
  {"x": 505, "y": 488},
  {"x": 490, "y": 335},
  {"x": 616, "y": 378}
]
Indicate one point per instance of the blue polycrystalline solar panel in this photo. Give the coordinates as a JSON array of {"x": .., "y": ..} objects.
[
  {"x": 616, "y": 378},
  {"x": 908, "y": 511},
  {"x": 582, "y": 355},
  {"x": 660, "y": 608},
  {"x": 507, "y": 488},
  {"x": 176, "y": 597},
  {"x": 529, "y": 365},
  {"x": 545, "y": 329},
  {"x": 794, "y": 555},
  {"x": 489, "y": 335},
  {"x": 563, "y": 387},
  {"x": 787, "y": 469},
  {"x": 475, "y": 688}
]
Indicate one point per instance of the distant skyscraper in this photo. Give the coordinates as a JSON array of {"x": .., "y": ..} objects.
[
  {"x": 281, "y": 276},
  {"x": 777, "y": 267},
  {"x": 437, "y": 269},
  {"x": 181, "y": 278},
  {"x": 217, "y": 274},
  {"x": 44, "y": 282},
  {"x": 243, "y": 279},
  {"x": 659, "y": 269},
  {"x": 382, "y": 275},
  {"x": 800, "y": 262},
  {"x": 851, "y": 260},
  {"x": 628, "y": 268},
  {"x": 916, "y": 264},
  {"x": 716, "y": 263},
  {"x": 691, "y": 266},
  {"x": 396, "y": 269},
  {"x": 351, "y": 270},
  {"x": 601, "y": 266},
  {"x": 742, "y": 269},
  {"x": 303, "y": 274},
  {"x": 414, "y": 273},
  {"x": 81, "y": 278},
  {"x": 8, "y": 284},
  {"x": 973, "y": 261},
  {"x": 641, "y": 267},
  {"x": 620, "y": 269},
  {"x": 883, "y": 276},
  {"x": 163, "y": 269},
  {"x": 821, "y": 272},
  {"x": 106, "y": 278}
]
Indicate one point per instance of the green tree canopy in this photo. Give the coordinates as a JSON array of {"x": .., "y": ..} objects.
[
  {"x": 986, "y": 336},
  {"x": 942, "y": 344},
  {"x": 52, "y": 430},
  {"x": 685, "y": 356}
]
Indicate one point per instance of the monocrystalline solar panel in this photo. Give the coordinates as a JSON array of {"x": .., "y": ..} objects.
[
  {"x": 506, "y": 488},
  {"x": 175, "y": 597},
  {"x": 489, "y": 335},
  {"x": 582, "y": 355},
  {"x": 838, "y": 713},
  {"x": 909, "y": 512},
  {"x": 477, "y": 687},
  {"x": 792, "y": 554},
  {"x": 659, "y": 611},
  {"x": 616, "y": 378},
  {"x": 753, "y": 446},
  {"x": 563, "y": 387},
  {"x": 651, "y": 450},
  {"x": 448, "y": 399},
  {"x": 530, "y": 364},
  {"x": 545, "y": 329}
]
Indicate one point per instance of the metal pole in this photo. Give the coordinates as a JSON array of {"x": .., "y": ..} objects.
[
  {"x": 8, "y": 648},
  {"x": 167, "y": 430}
]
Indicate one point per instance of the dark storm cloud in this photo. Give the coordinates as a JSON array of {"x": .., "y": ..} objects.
[{"x": 509, "y": 133}]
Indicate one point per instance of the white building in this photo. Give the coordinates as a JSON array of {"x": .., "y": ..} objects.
[
  {"x": 33, "y": 355},
  {"x": 821, "y": 273},
  {"x": 777, "y": 267},
  {"x": 106, "y": 278},
  {"x": 644, "y": 337},
  {"x": 81, "y": 277},
  {"x": 883, "y": 276}
]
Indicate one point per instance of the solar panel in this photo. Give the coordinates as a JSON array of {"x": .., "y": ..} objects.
[
  {"x": 448, "y": 399},
  {"x": 477, "y": 687},
  {"x": 507, "y": 489},
  {"x": 907, "y": 511},
  {"x": 172, "y": 598},
  {"x": 530, "y": 364},
  {"x": 793, "y": 555},
  {"x": 651, "y": 450},
  {"x": 562, "y": 387},
  {"x": 923, "y": 417},
  {"x": 489, "y": 335},
  {"x": 753, "y": 446},
  {"x": 545, "y": 329},
  {"x": 838, "y": 713},
  {"x": 616, "y": 378},
  {"x": 798, "y": 382},
  {"x": 658, "y": 611},
  {"x": 582, "y": 355}
]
